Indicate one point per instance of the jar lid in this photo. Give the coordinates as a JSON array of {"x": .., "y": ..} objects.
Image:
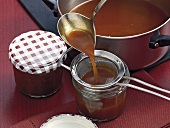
[
  {"x": 68, "y": 121},
  {"x": 36, "y": 52}
]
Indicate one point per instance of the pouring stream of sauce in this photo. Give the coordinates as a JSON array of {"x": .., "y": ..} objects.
[{"x": 83, "y": 41}]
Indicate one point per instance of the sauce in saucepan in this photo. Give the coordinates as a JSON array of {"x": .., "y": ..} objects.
[{"x": 119, "y": 18}]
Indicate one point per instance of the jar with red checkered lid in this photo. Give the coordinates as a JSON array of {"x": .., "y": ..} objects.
[{"x": 35, "y": 56}]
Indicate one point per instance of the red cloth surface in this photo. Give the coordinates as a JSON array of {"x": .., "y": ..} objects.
[
  {"x": 142, "y": 110},
  {"x": 36, "y": 121}
]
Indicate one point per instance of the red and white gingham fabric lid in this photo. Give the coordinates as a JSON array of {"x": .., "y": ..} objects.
[{"x": 36, "y": 52}]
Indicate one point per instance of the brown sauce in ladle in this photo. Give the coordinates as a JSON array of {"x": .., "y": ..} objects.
[{"x": 83, "y": 41}]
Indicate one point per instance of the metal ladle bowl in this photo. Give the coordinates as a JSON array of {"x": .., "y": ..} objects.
[{"x": 73, "y": 21}]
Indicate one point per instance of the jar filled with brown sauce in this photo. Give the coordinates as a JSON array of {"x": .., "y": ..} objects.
[
  {"x": 35, "y": 56},
  {"x": 102, "y": 101}
]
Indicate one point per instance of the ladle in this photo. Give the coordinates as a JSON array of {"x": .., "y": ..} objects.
[{"x": 72, "y": 21}]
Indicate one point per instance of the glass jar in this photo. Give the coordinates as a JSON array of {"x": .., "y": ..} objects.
[
  {"x": 35, "y": 56},
  {"x": 103, "y": 102}
]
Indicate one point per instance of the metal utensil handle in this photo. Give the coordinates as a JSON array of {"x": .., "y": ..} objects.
[
  {"x": 147, "y": 84},
  {"x": 62, "y": 58},
  {"x": 98, "y": 7},
  {"x": 144, "y": 90}
]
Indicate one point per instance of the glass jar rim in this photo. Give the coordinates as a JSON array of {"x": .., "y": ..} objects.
[{"x": 122, "y": 69}]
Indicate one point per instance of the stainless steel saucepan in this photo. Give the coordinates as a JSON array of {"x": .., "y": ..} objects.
[{"x": 137, "y": 51}]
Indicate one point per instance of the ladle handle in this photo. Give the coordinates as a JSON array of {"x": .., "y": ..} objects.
[
  {"x": 98, "y": 7},
  {"x": 144, "y": 90}
]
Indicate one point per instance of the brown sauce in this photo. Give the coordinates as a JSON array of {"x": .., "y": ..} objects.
[
  {"x": 104, "y": 109},
  {"x": 123, "y": 17},
  {"x": 83, "y": 41},
  {"x": 38, "y": 85},
  {"x": 105, "y": 75},
  {"x": 106, "y": 106}
]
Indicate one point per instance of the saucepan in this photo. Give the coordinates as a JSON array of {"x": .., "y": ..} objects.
[{"x": 137, "y": 51}]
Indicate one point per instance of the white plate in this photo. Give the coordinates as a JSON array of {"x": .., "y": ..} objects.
[{"x": 68, "y": 121}]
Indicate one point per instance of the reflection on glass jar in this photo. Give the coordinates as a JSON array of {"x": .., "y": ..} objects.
[{"x": 98, "y": 102}]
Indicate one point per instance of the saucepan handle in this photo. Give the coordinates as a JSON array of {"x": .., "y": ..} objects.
[{"x": 158, "y": 40}]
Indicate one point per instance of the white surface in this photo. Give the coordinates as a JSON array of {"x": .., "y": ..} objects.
[{"x": 68, "y": 121}]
